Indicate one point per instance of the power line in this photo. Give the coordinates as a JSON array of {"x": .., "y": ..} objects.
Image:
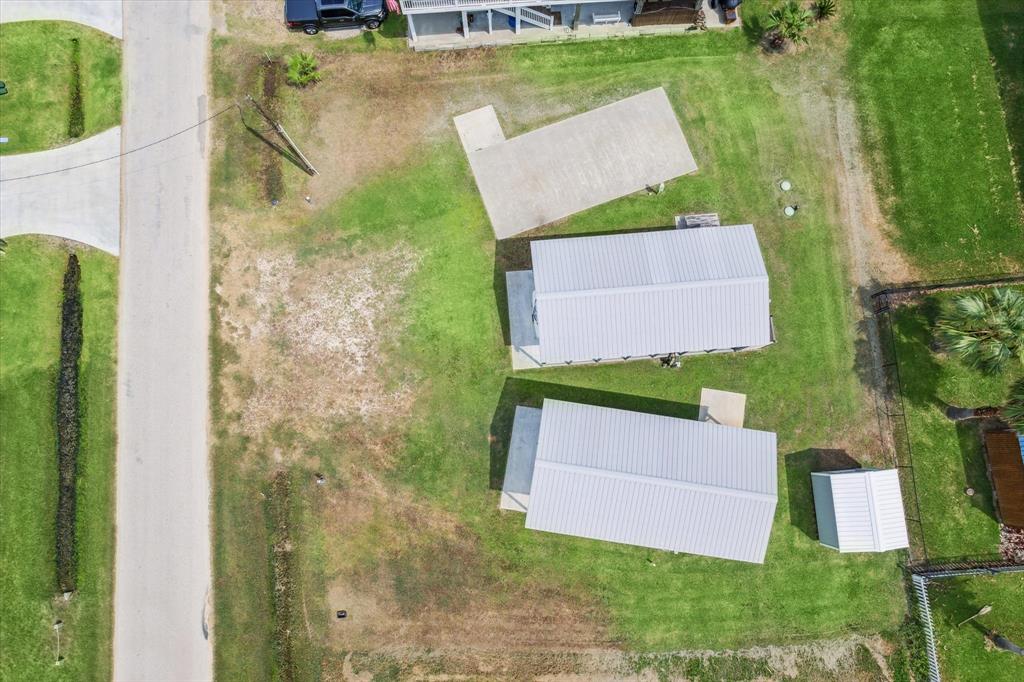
[{"x": 130, "y": 151}]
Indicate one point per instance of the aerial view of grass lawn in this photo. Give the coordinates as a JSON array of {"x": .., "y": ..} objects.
[
  {"x": 63, "y": 81},
  {"x": 964, "y": 652},
  {"x": 31, "y": 273},
  {"x": 947, "y": 455},
  {"x": 936, "y": 126},
  {"x": 359, "y": 353}
]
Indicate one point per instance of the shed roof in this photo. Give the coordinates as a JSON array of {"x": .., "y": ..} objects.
[
  {"x": 650, "y": 293},
  {"x": 868, "y": 509},
  {"x": 654, "y": 481}
]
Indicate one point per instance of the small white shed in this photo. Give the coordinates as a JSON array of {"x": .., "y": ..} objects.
[{"x": 859, "y": 510}]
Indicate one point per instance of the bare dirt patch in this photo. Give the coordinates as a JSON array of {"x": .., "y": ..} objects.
[
  {"x": 849, "y": 658},
  {"x": 309, "y": 335}
]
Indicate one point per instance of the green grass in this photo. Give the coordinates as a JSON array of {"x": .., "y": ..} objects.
[
  {"x": 745, "y": 136},
  {"x": 30, "y": 295},
  {"x": 963, "y": 654},
  {"x": 934, "y": 122},
  {"x": 947, "y": 455},
  {"x": 35, "y": 62}
]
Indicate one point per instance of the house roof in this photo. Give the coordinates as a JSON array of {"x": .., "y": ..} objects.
[
  {"x": 650, "y": 293},
  {"x": 868, "y": 508},
  {"x": 654, "y": 481}
]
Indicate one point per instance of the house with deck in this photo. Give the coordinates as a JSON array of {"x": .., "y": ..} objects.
[
  {"x": 639, "y": 295},
  {"x": 454, "y": 24}
]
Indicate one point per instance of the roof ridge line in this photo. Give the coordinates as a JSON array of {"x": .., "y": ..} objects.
[
  {"x": 668, "y": 286},
  {"x": 659, "y": 480}
]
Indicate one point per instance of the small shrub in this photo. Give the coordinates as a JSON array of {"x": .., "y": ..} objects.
[
  {"x": 76, "y": 115},
  {"x": 68, "y": 434},
  {"x": 303, "y": 69},
  {"x": 824, "y": 9},
  {"x": 788, "y": 23}
]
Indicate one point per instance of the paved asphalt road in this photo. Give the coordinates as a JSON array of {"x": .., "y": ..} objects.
[
  {"x": 83, "y": 204},
  {"x": 163, "y": 538}
]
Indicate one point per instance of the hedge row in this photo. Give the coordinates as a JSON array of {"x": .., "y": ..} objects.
[
  {"x": 68, "y": 431},
  {"x": 76, "y": 115},
  {"x": 281, "y": 562}
]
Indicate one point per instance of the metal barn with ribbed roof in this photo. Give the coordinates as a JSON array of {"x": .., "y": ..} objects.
[
  {"x": 643, "y": 479},
  {"x": 640, "y": 295}
]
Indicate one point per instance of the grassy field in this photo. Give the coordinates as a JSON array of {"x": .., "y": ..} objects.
[
  {"x": 963, "y": 651},
  {"x": 30, "y": 294},
  {"x": 947, "y": 455},
  {"x": 35, "y": 62},
  {"x": 934, "y": 122},
  {"x": 424, "y": 547}
]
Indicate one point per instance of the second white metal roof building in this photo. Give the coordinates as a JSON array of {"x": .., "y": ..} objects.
[{"x": 643, "y": 479}]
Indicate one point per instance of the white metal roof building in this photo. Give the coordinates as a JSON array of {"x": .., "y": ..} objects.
[
  {"x": 859, "y": 510},
  {"x": 614, "y": 297},
  {"x": 648, "y": 480}
]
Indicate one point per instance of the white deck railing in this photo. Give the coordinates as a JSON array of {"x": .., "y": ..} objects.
[{"x": 421, "y": 6}]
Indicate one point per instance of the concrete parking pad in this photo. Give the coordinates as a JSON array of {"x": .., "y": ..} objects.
[
  {"x": 83, "y": 204},
  {"x": 479, "y": 129},
  {"x": 722, "y": 407},
  {"x": 522, "y": 451},
  {"x": 575, "y": 164},
  {"x": 104, "y": 15}
]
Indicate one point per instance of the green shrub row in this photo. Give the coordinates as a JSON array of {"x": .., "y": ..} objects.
[
  {"x": 76, "y": 115},
  {"x": 68, "y": 431}
]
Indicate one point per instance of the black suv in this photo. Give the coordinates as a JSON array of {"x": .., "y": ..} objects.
[{"x": 312, "y": 16}]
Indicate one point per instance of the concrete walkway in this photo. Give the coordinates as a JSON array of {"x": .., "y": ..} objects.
[
  {"x": 83, "y": 204},
  {"x": 104, "y": 15},
  {"x": 161, "y": 601}
]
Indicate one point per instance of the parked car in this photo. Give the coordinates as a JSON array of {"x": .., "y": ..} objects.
[{"x": 312, "y": 16}]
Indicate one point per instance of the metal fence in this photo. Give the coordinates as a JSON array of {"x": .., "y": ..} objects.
[
  {"x": 923, "y": 569},
  {"x": 920, "y": 582},
  {"x": 891, "y": 403}
]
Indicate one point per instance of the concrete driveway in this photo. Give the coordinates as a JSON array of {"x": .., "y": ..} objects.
[
  {"x": 104, "y": 15},
  {"x": 161, "y": 607},
  {"x": 580, "y": 162},
  {"x": 83, "y": 204}
]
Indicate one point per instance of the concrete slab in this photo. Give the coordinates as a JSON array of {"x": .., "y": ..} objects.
[
  {"x": 104, "y": 15},
  {"x": 522, "y": 451},
  {"x": 522, "y": 332},
  {"x": 722, "y": 407},
  {"x": 479, "y": 129},
  {"x": 83, "y": 203},
  {"x": 581, "y": 162}
]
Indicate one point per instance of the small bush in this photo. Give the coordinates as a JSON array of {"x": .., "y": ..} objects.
[
  {"x": 68, "y": 434},
  {"x": 76, "y": 115},
  {"x": 302, "y": 69},
  {"x": 824, "y": 9}
]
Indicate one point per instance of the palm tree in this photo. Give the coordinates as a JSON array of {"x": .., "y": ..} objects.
[
  {"x": 789, "y": 22},
  {"x": 985, "y": 329}
]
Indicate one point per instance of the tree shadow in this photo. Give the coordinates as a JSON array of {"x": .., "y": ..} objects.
[
  {"x": 969, "y": 435},
  {"x": 799, "y": 466},
  {"x": 1003, "y": 26},
  {"x": 531, "y": 393}
]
